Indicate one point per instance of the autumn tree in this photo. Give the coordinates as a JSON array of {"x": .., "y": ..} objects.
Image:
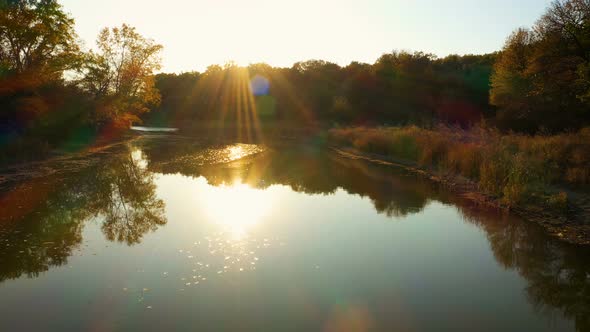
[
  {"x": 511, "y": 84},
  {"x": 36, "y": 36},
  {"x": 541, "y": 78},
  {"x": 38, "y": 45},
  {"x": 120, "y": 75}
]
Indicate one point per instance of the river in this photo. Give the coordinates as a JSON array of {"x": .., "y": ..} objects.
[{"x": 164, "y": 233}]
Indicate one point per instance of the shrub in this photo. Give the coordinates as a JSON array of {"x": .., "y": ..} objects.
[
  {"x": 558, "y": 201},
  {"x": 516, "y": 168}
]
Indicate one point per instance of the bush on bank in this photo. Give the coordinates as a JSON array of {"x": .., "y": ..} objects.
[{"x": 516, "y": 168}]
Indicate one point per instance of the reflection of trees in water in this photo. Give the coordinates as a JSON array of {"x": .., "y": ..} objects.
[
  {"x": 47, "y": 237},
  {"x": 125, "y": 197},
  {"x": 118, "y": 191},
  {"x": 122, "y": 194},
  {"x": 558, "y": 275},
  {"x": 307, "y": 170},
  {"x": 395, "y": 195}
]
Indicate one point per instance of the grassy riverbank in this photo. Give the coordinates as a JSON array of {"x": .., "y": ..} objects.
[{"x": 515, "y": 169}]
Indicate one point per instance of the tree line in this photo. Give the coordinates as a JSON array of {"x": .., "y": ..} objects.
[
  {"x": 539, "y": 81},
  {"x": 400, "y": 88},
  {"x": 52, "y": 90}
]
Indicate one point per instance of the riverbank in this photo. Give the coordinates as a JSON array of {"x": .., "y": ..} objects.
[
  {"x": 542, "y": 178},
  {"x": 57, "y": 161},
  {"x": 468, "y": 163}
]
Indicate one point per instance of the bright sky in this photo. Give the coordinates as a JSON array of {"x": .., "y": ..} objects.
[{"x": 197, "y": 33}]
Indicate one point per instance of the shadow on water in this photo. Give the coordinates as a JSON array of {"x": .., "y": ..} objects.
[{"x": 43, "y": 219}]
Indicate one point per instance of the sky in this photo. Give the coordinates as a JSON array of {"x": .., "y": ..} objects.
[{"x": 198, "y": 33}]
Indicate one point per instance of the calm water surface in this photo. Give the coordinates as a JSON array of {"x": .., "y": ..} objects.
[{"x": 163, "y": 234}]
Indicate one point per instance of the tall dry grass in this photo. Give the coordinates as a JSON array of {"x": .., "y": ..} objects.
[{"x": 515, "y": 168}]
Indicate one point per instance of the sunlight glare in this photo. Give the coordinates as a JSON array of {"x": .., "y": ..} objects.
[
  {"x": 238, "y": 207},
  {"x": 138, "y": 158},
  {"x": 236, "y": 152}
]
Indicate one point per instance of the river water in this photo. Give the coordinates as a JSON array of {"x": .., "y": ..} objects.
[{"x": 164, "y": 233}]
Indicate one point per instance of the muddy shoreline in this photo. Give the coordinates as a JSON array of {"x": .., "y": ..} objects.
[
  {"x": 61, "y": 162},
  {"x": 572, "y": 227}
]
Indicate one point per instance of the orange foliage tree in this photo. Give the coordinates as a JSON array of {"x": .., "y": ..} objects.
[{"x": 120, "y": 75}]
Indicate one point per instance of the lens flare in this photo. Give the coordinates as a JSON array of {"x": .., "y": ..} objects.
[{"x": 260, "y": 86}]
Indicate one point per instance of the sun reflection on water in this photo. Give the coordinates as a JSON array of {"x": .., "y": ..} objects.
[
  {"x": 237, "y": 207},
  {"x": 138, "y": 158},
  {"x": 236, "y": 152},
  {"x": 221, "y": 155}
]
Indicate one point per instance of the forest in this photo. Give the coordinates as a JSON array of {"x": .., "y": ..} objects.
[
  {"x": 54, "y": 93},
  {"x": 539, "y": 82}
]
